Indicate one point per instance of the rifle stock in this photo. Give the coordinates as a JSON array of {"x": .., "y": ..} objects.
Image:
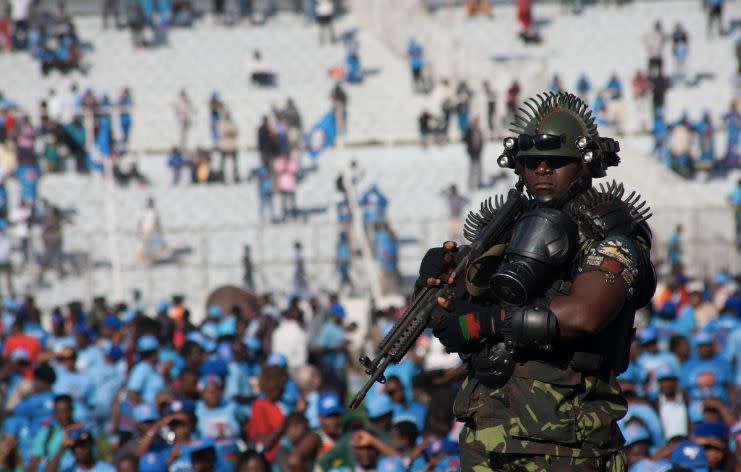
[{"x": 416, "y": 317}]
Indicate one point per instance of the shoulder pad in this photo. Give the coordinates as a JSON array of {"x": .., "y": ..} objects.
[
  {"x": 476, "y": 221},
  {"x": 604, "y": 212}
]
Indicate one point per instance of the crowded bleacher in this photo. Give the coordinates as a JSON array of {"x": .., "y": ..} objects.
[{"x": 210, "y": 210}]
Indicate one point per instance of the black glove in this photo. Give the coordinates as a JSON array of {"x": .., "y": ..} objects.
[
  {"x": 436, "y": 262},
  {"x": 465, "y": 325}
]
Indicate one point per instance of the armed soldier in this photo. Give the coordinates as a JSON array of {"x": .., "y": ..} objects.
[{"x": 546, "y": 318}]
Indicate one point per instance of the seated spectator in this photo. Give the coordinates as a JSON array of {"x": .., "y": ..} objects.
[
  {"x": 80, "y": 441},
  {"x": 259, "y": 73}
]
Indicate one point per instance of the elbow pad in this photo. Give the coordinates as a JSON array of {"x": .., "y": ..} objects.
[{"x": 530, "y": 327}]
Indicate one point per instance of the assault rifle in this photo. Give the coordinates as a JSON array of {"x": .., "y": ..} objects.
[{"x": 417, "y": 316}]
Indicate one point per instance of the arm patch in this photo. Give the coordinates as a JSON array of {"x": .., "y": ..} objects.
[{"x": 617, "y": 257}]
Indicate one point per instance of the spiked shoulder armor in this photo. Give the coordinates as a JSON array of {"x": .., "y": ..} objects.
[
  {"x": 607, "y": 211},
  {"x": 477, "y": 220}
]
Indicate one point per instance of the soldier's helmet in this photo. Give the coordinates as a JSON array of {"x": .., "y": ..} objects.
[{"x": 558, "y": 125}]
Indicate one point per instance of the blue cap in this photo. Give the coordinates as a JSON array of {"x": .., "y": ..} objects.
[
  {"x": 115, "y": 353},
  {"x": 378, "y": 405},
  {"x": 442, "y": 446},
  {"x": 635, "y": 433},
  {"x": 84, "y": 331},
  {"x": 391, "y": 464},
  {"x": 214, "y": 366},
  {"x": 152, "y": 462},
  {"x": 703, "y": 337},
  {"x": 647, "y": 335},
  {"x": 214, "y": 311},
  {"x": 112, "y": 321},
  {"x": 20, "y": 354},
  {"x": 278, "y": 359},
  {"x": 183, "y": 405},
  {"x": 227, "y": 327},
  {"x": 330, "y": 404},
  {"x": 161, "y": 306},
  {"x": 145, "y": 412},
  {"x": 666, "y": 371},
  {"x": 690, "y": 455},
  {"x": 669, "y": 308},
  {"x": 711, "y": 429},
  {"x": 197, "y": 337},
  {"x": 147, "y": 343},
  {"x": 337, "y": 310},
  {"x": 210, "y": 379}
]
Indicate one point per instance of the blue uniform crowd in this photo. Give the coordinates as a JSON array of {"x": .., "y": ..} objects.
[
  {"x": 116, "y": 387},
  {"x": 683, "y": 379}
]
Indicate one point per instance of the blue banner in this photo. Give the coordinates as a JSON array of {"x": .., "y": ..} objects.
[{"x": 322, "y": 135}]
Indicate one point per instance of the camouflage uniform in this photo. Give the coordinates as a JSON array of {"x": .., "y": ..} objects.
[{"x": 550, "y": 416}]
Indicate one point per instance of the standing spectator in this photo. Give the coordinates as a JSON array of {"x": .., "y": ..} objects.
[
  {"x": 6, "y": 265},
  {"x": 228, "y": 133},
  {"x": 247, "y": 269},
  {"x": 184, "y": 112},
  {"x": 463, "y": 98},
  {"x": 145, "y": 381},
  {"x": 324, "y": 17},
  {"x": 290, "y": 338},
  {"x": 491, "y": 107},
  {"x": 330, "y": 346},
  {"x": 373, "y": 203},
  {"x": 659, "y": 85},
  {"x": 150, "y": 233},
  {"x": 26, "y": 139},
  {"x": 110, "y": 9},
  {"x": 706, "y": 133},
  {"x": 125, "y": 102},
  {"x": 583, "y": 87},
  {"x": 474, "y": 146},
  {"x": 51, "y": 236},
  {"x": 176, "y": 161},
  {"x": 343, "y": 261},
  {"x": 339, "y": 107},
  {"x": 387, "y": 255},
  {"x": 641, "y": 86},
  {"x": 416, "y": 63},
  {"x": 680, "y": 44},
  {"x": 456, "y": 204},
  {"x": 215, "y": 110},
  {"x": 654, "y": 41},
  {"x": 513, "y": 99},
  {"x": 556, "y": 85},
  {"x": 286, "y": 180},
  {"x": 264, "y": 192},
  {"x": 21, "y": 220},
  {"x": 682, "y": 147},
  {"x": 732, "y": 121},
  {"x": 300, "y": 279},
  {"x": 735, "y": 200},
  {"x": 715, "y": 16},
  {"x": 674, "y": 250},
  {"x": 265, "y": 425},
  {"x": 267, "y": 142},
  {"x": 528, "y": 34}
]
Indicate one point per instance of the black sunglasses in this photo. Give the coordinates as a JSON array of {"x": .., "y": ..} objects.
[
  {"x": 554, "y": 162},
  {"x": 541, "y": 142}
]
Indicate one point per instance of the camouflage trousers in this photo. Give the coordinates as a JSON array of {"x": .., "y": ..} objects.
[{"x": 478, "y": 461}]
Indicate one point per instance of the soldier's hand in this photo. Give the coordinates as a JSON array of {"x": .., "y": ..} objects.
[
  {"x": 460, "y": 331},
  {"x": 437, "y": 266}
]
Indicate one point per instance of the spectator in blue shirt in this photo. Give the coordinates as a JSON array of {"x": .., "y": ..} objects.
[
  {"x": 89, "y": 356},
  {"x": 415, "y": 53},
  {"x": 76, "y": 384},
  {"x": 217, "y": 419},
  {"x": 732, "y": 121},
  {"x": 707, "y": 375},
  {"x": 405, "y": 409},
  {"x": 145, "y": 381},
  {"x": 176, "y": 161},
  {"x": 48, "y": 441},
  {"x": 33, "y": 412},
  {"x": 80, "y": 441},
  {"x": 343, "y": 261},
  {"x": 373, "y": 203},
  {"x": 125, "y": 102},
  {"x": 264, "y": 191},
  {"x": 331, "y": 346},
  {"x": 108, "y": 378},
  {"x": 615, "y": 87},
  {"x": 583, "y": 86}
]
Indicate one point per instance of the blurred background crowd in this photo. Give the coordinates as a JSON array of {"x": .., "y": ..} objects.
[{"x": 210, "y": 209}]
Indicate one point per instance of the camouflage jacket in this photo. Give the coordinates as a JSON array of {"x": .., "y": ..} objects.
[{"x": 551, "y": 406}]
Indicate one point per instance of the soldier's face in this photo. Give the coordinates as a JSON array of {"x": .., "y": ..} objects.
[{"x": 548, "y": 177}]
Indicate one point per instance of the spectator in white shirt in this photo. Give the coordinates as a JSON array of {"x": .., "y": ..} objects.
[{"x": 290, "y": 338}]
